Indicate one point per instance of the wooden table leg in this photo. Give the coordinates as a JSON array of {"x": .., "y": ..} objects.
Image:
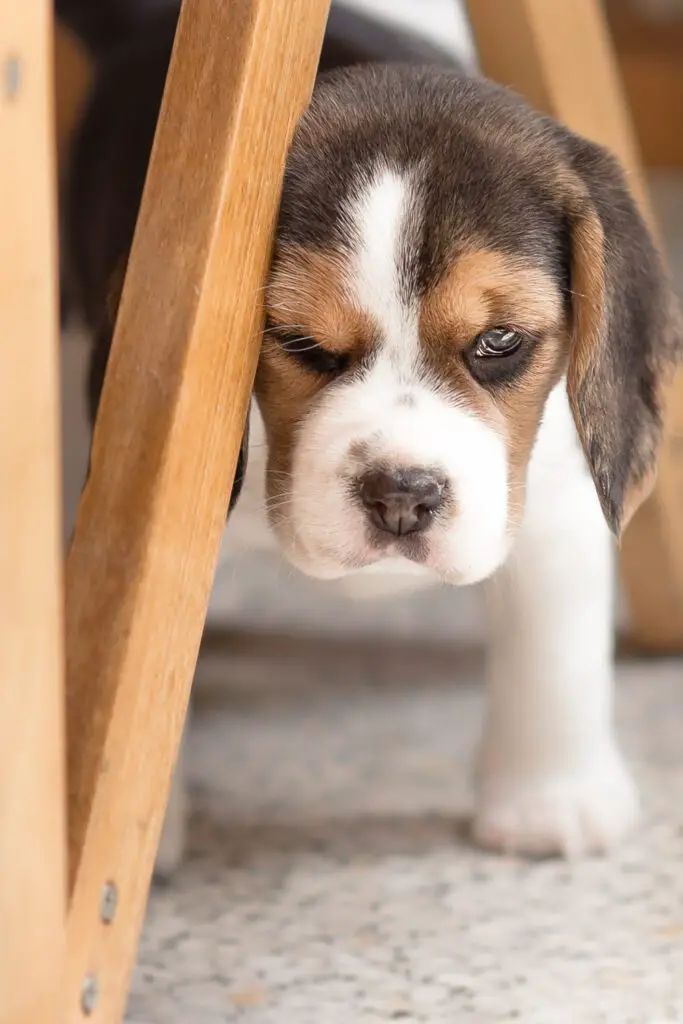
[
  {"x": 170, "y": 422},
  {"x": 32, "y": 818},
  {"x": 558, "y": 56}
]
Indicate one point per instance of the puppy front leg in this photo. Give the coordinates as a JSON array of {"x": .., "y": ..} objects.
[{"x": 550, "y": 776}]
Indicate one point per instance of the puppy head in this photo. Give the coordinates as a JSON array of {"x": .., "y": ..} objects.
[{"x": 444, "y": 257}]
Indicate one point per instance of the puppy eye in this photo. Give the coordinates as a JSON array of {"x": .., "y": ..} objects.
[
  {"x": 498, "y": 356},
  {"x": 498, "y": 342},
  {"x": 311, "y": 354}
]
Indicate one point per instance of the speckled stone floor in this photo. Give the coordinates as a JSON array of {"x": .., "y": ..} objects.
[{"x": 330, "y": 880}]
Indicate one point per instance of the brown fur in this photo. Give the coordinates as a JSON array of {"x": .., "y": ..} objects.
[
  {"x": 486, "y": 288},
  {"x": 307, "y": 293},
  {"x": 287, "y": 392},
  {"x": 621, "y": 301},
  {"x": 482, "y": 289}
]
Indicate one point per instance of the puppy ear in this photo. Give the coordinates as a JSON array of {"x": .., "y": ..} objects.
[{"x": 627, "y": 336}]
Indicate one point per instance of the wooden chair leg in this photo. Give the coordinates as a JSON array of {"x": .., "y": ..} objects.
[
  {"x": 558, "y": 56},
  {"x": 169, "y": 427},
  {"x": 32, "y": 806}
]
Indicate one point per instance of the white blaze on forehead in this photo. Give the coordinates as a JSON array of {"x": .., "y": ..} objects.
[
  {"x": 378, "y": 215},
  {"x": 362, "y": 421}
]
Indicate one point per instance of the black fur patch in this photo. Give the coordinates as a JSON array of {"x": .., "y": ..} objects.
[{"x": 617, "y": 405}]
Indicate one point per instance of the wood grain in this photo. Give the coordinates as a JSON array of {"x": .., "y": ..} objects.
[
  {"x": 559, "y": 57},
  {"x": 32, "y": 819},
  {"x": 650, "y": 55},
  {"x": 148, "y": 530}
]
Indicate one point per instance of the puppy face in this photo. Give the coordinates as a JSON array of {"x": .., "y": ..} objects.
[{"x": 420, "y": 309}]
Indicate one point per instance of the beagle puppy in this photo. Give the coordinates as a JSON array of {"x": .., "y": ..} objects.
[{"x": 467, "y": 333}]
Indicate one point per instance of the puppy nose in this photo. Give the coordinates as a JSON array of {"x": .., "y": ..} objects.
[{"x": 403, "y": 501}]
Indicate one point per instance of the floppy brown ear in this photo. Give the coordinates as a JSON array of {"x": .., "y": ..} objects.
[{"x": 627, "y": 336}]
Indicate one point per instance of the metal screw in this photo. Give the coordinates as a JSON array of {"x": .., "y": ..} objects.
[
  {"x": 109, "y": 902},
  {"x": 90, "y": 993},
  {"x": 11, "y": 75}
]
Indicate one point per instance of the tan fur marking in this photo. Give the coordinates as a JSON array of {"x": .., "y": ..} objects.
[
  {"x": 308, "y": 291},
  {"x": 486, "y": 288},
  {"x": 588, "y": 294},
  {"x": 307, "y": 295},
  {"x": 285, "y": 393},
  {"x": 522, "y": 407},
  {"x": 589, "y": 274}
]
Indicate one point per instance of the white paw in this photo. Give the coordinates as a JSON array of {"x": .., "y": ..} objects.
[{"x": 572, "y": 814}]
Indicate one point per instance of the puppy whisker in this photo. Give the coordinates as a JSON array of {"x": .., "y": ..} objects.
[
  {"x": 282, "y": 327},
  {"x": 275, "y": 507},
  {"x": 295, "y": 350}
]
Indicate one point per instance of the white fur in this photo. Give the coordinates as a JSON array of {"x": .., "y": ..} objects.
[
  {"x": 379, "y": 217},
  {"x": 323, "y": 530},
  {"x": 550, "y": 776}
]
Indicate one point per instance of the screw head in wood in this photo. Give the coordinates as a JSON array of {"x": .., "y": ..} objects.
[
  {"x": 109, "y": 902},
  {"x": 11, "y": 77},
  {"x": 90, "y": 993}
]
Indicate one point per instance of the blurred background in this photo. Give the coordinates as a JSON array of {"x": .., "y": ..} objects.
[{"x": 257, "y": 590}]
